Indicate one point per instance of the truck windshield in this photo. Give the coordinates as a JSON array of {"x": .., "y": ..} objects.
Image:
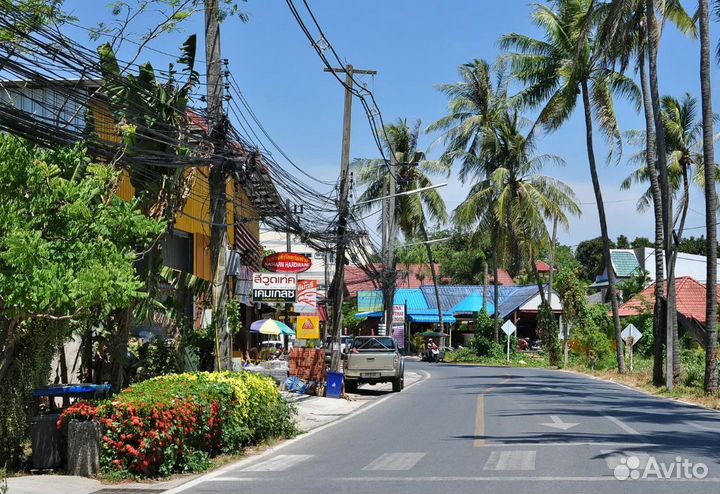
[{"x": 380, "y": 343}]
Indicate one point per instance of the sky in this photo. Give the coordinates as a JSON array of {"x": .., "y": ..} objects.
[{"x": 414, "y": 45}]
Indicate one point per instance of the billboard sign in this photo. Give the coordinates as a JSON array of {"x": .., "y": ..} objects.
[
  {"x": 272, "y": 287},
  {"x": 369, "y": 301},
  {"x": 286, "y": 262},
  {"x": 306, "y": 297}
]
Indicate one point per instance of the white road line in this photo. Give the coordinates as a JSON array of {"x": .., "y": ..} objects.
[
  {"x": 239, "y": 464},
  {"x": 497, "y": 478},
  {"x": 613, "y": 458},
  {"x": 395, "y": 461},
  {"x": 278, "y": 463},
  {"x": 704, "y": 427},
  {"x": 622, "y": 425},
  {"x": 511, "y": 460}
]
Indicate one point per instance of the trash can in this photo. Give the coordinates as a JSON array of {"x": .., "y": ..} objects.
[
  {"x": 46, "y": 439},
  {"x": 334, "y": 384}
]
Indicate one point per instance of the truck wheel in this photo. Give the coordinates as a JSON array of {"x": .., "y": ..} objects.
[
  {"x": 397, "y": 384},
  {"x": 351, "y": 386}
]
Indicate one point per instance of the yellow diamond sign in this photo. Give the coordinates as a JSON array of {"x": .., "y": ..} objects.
[{"x": 308, "y": 327}]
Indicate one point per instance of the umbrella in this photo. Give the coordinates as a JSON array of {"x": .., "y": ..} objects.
[
  {"x": 271, "y": 326},
  {"x": 432, "y": 334}
]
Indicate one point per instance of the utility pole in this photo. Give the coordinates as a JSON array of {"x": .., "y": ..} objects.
[
  {"x": 343, "y": 213},
  {"x": 288, "y": 248},
  {"x": 389, "y": 254},
  {"x": 217, "y": 129}
]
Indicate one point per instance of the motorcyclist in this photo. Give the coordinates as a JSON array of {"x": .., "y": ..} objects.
[{"x": 432, "y": 351}]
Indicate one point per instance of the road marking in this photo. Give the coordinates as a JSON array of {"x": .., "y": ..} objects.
[
  {"x": 613, "y": 457},
  {"x": 622, "y": 425},
  {"x": 525, "y": 479},
  {"x": 479, "y": 441},
  {"x": 239, "y": 464},
  {"x": 557, "y": 423},
  {"x": 278, "y": 463},
  {"x": 395, "y": 461},
  {"x": 541, "y": 443},
  {"x": 511, "y": 460}
]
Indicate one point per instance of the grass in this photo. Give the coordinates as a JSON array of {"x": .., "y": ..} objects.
[{"x": 529, "y": 359}]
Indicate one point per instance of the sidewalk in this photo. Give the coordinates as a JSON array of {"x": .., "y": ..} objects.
[{"x": 312, "y": 412}]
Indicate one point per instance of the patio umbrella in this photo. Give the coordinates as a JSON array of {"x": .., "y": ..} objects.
[
  {"x": 432, "y": 334},
  {"x": 271, "y": 326}
]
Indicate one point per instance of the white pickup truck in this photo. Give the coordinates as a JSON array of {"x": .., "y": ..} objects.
[{"x": 374, "y": 359}]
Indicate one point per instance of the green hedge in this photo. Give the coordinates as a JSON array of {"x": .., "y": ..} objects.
[{"x": 175, "y": 423}]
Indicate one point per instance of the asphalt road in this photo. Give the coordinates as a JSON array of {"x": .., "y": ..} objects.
[{"x": 484, "y": 429}]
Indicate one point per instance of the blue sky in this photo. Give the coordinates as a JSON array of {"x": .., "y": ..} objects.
[{"x": 414, "y": 45}]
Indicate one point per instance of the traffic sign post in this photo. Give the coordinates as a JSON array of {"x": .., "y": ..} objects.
[
  {"x": 630, "y": 336},
  {"x": 508, "y": 328}
]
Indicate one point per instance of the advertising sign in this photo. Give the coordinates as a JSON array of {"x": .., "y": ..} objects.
[
  {"x": 306, "y": 297},
  {"x": 308, "y": 327},
  {"x": 399, "y": 335},
  {"x": 370, "y": 301},
  {"x": 398, "y": 314},
  {"x": 271, "y": 287},
  {"x": 286, "y": 262}
]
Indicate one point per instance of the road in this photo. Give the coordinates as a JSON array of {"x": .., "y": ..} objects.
[{"x": 495, "y": 430}]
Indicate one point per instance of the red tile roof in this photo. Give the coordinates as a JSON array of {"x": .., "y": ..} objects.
[
  {"x": 503, "y": 278},
  {"x": 690, "y": 300},
  {"x": 409, "y": 276},
  {"x": 542, "y": 266}
]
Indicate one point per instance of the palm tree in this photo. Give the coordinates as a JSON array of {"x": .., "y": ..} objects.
[
  {"x": 412, "y": 171},
  {"x": 508, "y": 190},
  {"x": 711, "y": 371},
  {"x": 476, "y": 105},
  {"x": 558, "y": 68},
  {"x": 625, "y": 34}
]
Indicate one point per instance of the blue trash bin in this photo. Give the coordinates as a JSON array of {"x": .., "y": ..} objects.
[{"x": 334, "y": 385}]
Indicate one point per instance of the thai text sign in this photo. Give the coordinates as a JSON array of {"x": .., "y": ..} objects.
[
  {"x": 286, "y": 262},
  {"x": 274, "y": 287},
  {"x": 306, "y": 297}
]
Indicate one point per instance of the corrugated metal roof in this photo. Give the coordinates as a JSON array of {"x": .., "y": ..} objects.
[
  {"x": 413, "y": 296},
  {"x": 473, "y": 303},
  {"x": 515, "y": 297}
]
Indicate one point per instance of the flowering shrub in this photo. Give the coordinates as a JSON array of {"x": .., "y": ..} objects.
[{"x": 175, "y": 423}]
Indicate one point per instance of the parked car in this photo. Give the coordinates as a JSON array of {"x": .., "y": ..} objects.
[{"x": 372, "y": 360}]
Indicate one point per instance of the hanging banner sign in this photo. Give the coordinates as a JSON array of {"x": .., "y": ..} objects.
[
  {"x": 308, "y": 327},
  {"x": 286, "y": 262},
  {"x": 270, "y": 287},
  {"x": 306, "y": 297},
  {"x": 398, "y": 314}
]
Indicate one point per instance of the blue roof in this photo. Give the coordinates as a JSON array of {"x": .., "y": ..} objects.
[
  {"x": 414, "y": 298},
  {"x": 473, "y": 303},
  {"x": 457, "y": 299}
]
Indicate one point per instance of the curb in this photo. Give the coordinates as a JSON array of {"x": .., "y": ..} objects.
[{"x": 232, "y": 466}]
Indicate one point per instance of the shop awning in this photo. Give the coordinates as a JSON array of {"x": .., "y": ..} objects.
[{"x": 431, "y": 319}]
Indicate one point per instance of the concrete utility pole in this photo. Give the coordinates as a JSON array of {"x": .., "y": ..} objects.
[
  {"x": 217, "y": 129},
  {"x": 288, "y": 248},
  {"x": 343, "y": 213},
  {"x": 389, "y": 254}
]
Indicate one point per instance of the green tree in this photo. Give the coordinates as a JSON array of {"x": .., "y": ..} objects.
[
  {"x": 565, "y": 64},
  {"x": 711, "y": 352},
  {"x": 477, "y": 103},
  {"x": 509, "y": 190},
  {"x": 412, "y": 171},
  {"x": 589, "y": 254},
  {"x": 67, "y": 255}
]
